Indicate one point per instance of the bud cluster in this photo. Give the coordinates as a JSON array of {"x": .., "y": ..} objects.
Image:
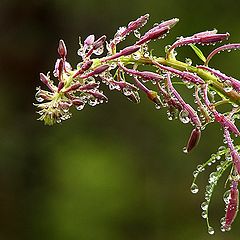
[{"x": 103, "y": 63}]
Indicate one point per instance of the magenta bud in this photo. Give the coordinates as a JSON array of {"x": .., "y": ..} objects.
[
  {"x": 99, "y": 42},
  {"x": 44, "y": 78},
  {"x": 62, "y": 50},
  {"x": 99, "y": 69},
  {"x": 151, "y": 35},
  {"x": 205, "y": 33},
  {"x": 89, "y": 40},
  {"x": 97, "y": 95},
  {"x": 168, "y": 23},
  {"x": 129, "y": 50},
  {"x": 77, "y": 102},
  {"x": 74, "y": 87},
  {"x": 60, "y": 67},
  {"x": 134, "y": 25},
  {"x": 193, "y": 139},
  {"x": 60, "y": 85},
  {"x": 89, "y": 86},
  {"x": 214, "y": 38},
  {"x": 232, "y": 207},
  {"x": 86, "y": 65}
]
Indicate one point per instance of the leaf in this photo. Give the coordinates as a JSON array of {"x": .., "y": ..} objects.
[{"x": 198, "y": 52}]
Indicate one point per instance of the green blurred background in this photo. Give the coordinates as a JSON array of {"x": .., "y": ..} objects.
[{"x": 115, "y": 171}]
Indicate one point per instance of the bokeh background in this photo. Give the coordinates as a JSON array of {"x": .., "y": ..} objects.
[{"x": 115, "y": 171}]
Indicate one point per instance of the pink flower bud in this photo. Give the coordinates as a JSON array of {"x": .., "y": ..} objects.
[
  {"x": 232, "y": 207},
  {"x": 193, "y": 139},
  {"x": 44, "y": 79},
  {"x": 134, "y": 25},
  {"x": 129, "y": 50},
  {"x": 89, "y": 40},
  {"x": 60, "y": 86},
  {"x": 99, "y": 42},
  {"x": 151, "y": 35},
  {"x": 62, "y": 50}
]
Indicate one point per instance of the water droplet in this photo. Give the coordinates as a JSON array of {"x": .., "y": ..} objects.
[
  {"x": 204, "y": 214},
  {"x": 204, "y": 205},
  {"x": 80, "y": 107},
  {"x": 99, "y": 50},
  {"x": 194, "y": 188},
  {"x": 223, "y": 229},
  {"x": 157, "y": 106},
  {"x": 227, "y": 88},
  {"x": 189, "y": 85},
  {"x": 185, "y": 150},
  {"x": 188, "y": 61},
  {"x": 183, "y": 116},
  {"x": 167, "y": 48},
  {"x": 127, "y": 92},
  {"x": 200, "y": 168},
  {"x": 137, "y": 34},
  {"x": 223, "y": 221},
  {"x": 113, "y": 65},
  {"x": 211, "y": 230},
  {"x": 212, "y": 177},
  {"x": 226, "y": 196},
  {"x": 136, "y": 55},
  {"x": 195, "y": 173}
]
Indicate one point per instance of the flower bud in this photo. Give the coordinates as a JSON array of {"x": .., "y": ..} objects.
[
  {"x": 157, "y": 33},
  {"x": 99, "y": 42},
  {"x": 89, "y": 40},
  {"x": 44, "y": 78},
  {"x": 60, "y": 85},
  {"x": 129, "y": 50},
  {"x": 134, "y": 25},
  {"x": 232, "y": 207},
  {"x": 62, "y": 50},
  {"x": 193, "y": 139}
]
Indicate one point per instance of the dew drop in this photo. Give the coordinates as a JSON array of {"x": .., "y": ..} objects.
[
  {"x": 99, "y": 50},
  {"x": 211, "y": 230},
  {"x": 227, "y": 88},
  {"x": 204, "y": 214},
  {"x": 183, "y": 116},
  {"x": 195, "y": 173},
  {"x": 204, "y": 206},
  {"x": 157, "y": 106},
  {"x": 188, "y": 61},
  {"x": 137, "y": 34},
  {"x": 194, "y": 188},
  {"x": 226, "y": 196},
  {"x": 167, "y": 48},
  {"x": 136, "y": 55},
  {"x": 185, "y": 150}
]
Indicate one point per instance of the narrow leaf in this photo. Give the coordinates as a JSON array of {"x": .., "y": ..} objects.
[{"x": 198, "y": 52}]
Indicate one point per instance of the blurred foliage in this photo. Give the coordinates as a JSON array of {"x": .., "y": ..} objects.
[{"x": 116, "y": 171}]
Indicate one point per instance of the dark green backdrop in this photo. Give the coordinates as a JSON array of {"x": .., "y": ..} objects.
[{"x": 113, "y": 172}]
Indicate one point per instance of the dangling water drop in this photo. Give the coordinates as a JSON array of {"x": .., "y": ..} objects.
[
  {"x": 185, "y": 150},
  {"x": 204, "y": 214},
  {"x": 194, "y": 188},
  {"x": 183, "y": 116},
  {"x": 211, "y": 230}
]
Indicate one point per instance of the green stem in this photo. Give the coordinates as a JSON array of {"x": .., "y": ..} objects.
[{"x": 213, "y": 81}]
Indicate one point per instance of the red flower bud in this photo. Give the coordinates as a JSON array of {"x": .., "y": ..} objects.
[
  {"x": 193, "y": 139},
  {"x": 62, "y": 50}
]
